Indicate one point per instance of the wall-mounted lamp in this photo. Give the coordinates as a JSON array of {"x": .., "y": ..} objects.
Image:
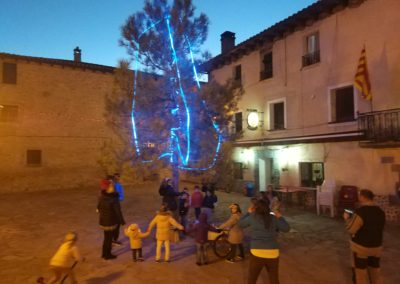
[{"x": 252, "y": 119}]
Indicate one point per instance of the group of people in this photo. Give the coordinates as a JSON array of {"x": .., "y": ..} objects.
[{"x": 263, "y": 218}]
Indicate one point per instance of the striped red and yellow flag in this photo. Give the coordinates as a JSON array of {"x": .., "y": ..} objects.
[{"x": 361, "y": 80}]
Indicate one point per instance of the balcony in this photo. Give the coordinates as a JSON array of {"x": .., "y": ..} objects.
[
  {"x": 311, "y": 58},
  {"x": 381, "y": 128}
]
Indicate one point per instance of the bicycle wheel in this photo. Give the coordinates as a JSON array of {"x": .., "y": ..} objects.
[{"x": 221, "y": 246}]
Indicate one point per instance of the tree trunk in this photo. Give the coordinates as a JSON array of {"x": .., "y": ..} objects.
[
  {"x": 175, "y": 171},
  {"x": 175, "y": 177}
]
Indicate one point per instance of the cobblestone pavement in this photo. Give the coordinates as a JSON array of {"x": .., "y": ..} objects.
[{"x": 32, "y": 226}]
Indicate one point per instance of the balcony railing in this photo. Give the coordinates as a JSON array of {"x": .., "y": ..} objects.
[
  {"x": 380, "y": 126},
  {"x": 311, "y": 58}
]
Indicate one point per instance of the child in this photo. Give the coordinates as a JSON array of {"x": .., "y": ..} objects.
[
  {"x": 135, "y": 237},
  {"x": 201, "y": 237},
  {"x": 236, "y": 235},
  {"x": 163, "y": 220},
  {"x": 64, "y": 258},
  {"x": 184, "y": 203},
  {"x": 196, "y": 201}
]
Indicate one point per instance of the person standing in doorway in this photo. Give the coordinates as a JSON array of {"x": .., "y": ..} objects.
[{"x": 366, "y": 229}]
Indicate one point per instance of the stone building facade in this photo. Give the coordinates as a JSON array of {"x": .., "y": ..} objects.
[
  {"x": 52, "y": 124},
  {"x": 302, "y": 119}
]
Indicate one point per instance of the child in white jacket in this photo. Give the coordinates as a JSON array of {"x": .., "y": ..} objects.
[
  {"x": 66, "y": 255},
  {"x": 135, "y": 238}
]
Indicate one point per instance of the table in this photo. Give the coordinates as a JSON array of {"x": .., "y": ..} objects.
[{"x": 286, "y": 194}]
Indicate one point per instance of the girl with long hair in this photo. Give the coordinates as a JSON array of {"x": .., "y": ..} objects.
[{"x": 264, "y": 249}]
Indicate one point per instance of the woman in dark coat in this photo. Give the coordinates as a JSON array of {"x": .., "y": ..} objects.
[
  {"x": 110, "y": 216},
  {"x": 169, "y": 196}
]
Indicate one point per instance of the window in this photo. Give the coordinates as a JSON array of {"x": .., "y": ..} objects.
[
  {"x": 237, "y": 76},
  {"x": 34, "y": 157},
  {"x": 266, "y": 68},
  {"x": 277, "y": 115},
  {"x": 342, "y": 104},
  {"x": 312, "y": 54},
  {"x": 9, "y": 73},
  {"x": 238, "y": 170},
  {"x": 311, "y": 174},
  {"x": 238, "y": 122},
  {"x": 8, "y": 113}
]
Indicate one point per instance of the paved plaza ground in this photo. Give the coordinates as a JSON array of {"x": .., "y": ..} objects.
[{"x": 32, "y": 226}]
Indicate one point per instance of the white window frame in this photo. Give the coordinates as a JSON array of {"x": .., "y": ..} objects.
[
  {"x": 270, "y": 113},
  {"x": 329, "y": 100}
]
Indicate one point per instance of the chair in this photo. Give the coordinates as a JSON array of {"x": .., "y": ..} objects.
[
  {"x": 348, "y": 197},
  {"x": 326, "y": 196}
]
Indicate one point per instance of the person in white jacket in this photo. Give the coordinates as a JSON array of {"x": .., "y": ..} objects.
[{"x": 66, "y": 255}]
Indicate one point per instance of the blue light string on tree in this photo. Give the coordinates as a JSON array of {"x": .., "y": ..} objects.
[{"x": 174, "y": 141}]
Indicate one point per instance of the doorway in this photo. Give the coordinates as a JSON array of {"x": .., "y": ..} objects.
[
  {"x": 264, "y": 172},
  {"x": 311, "y": 174}
]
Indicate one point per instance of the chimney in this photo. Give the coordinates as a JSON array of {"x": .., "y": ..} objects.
[
  {"x": 227, "y": 41},
  {"x": 77, "y": 54}
]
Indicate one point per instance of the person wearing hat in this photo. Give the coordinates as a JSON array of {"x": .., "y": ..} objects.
[
  {"x": 110, "y": 216},
  {"x": 163, "y": 221},
  {"x": 135, "y": 238},
  {"x": 66, "y": 255}
]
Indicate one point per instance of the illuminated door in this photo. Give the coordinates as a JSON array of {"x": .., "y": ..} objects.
[{"x": 264, "y": 173}]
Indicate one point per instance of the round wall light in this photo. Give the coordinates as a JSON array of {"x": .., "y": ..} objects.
[{"x": 252, "y": 120}]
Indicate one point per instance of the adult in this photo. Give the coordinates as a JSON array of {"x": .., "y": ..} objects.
[
  {"x": 118, "y": 187},
  {"x": 196, "y": 201},
  {"x": 110, "y": 216},
  {"x": 366, "y": 230},
  {"x": 272, "y": 196},
  {"x": 264, "y": 249},
  {"x": 120, "y": 191},
  {"x": 184, "y": 204},
  {"x": 235, "y": 235},
  {"x": 169, "y": 196},
  {"x": 208, "y": 204}
]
